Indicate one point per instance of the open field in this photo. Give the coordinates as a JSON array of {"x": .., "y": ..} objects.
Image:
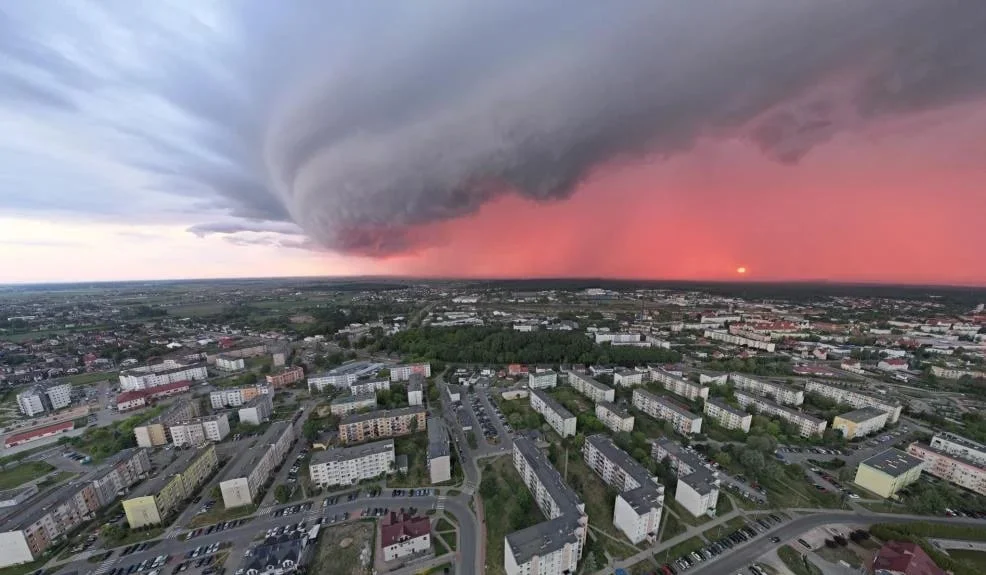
[
  {"x": 346, "y": 549},
  {"x": 23, "y": 473}
]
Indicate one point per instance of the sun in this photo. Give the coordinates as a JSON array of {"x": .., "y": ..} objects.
[{"x": 741, "y": 270}]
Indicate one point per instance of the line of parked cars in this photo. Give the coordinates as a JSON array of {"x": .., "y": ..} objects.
[
  {"x": 135, "y": 548},
  {"x": 216, "y": 528},
  {"x": 752, "y": 529},
  {"x": 410, "y": 492},
  {"x": 153, "y": 566},
  {"x": 292, "y": 509},
  {"x": 489, "y": 430}
]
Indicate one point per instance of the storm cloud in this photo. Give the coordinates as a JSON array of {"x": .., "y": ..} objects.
[{"x": 361, "y": 123}]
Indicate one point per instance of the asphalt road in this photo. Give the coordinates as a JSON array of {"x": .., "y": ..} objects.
[
  {"x": 242, "y": 536},
  {"x": 737, "y": 561}
]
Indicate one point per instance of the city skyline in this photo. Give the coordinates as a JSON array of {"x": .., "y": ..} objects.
[{"x": 834, "y": 142}]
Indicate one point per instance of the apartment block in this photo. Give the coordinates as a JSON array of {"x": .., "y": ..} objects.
[
  {"x": 200, "y": 430},
  {"x": 358, "y": 427},
  {"x": 439, "y": 454},
  {"x": 156, "y": 432},
  {"x": 807, "y": 425},
  {"x": 683, "y": 420},
  {"x": 135, "y": 379},
  {"x": 542, "y": 379},
  {"x": 778, "y": 392},
  {"x": 554, "y": 546},
  {"x": 30, "y": 529},
  {"x": 955, "y": 469},
  {"x": 679, "y": 385},
  {"x": 44, "y": 398},
  {"x": 627, "y": 378},
  {"x": 728, "y": 416},
  {"x": 960, "y": 446},
  {"x": 559, "y": 418},
  {"x": 346, "y": 404},
  {"x": 225, "y": 363},
  {"x": 350, "y": 465},
  {"x": 860, "y": 422},
  {"x": 591, "y": 388},
  {"x": 344, "y": 375},
  {"x": 741, "y": 340},
  {"x": 887, "y": 473},
  {"x": 416, "y": 389},
  {"x": 614, "y": 417},
  {"x": 237, "y": 396},
  {"x": 246, "y": 475},
  {"x": 285, "y": 376},
  {"x": 697, "y": 489},
  {"x": 257, "y": 410},
  {"x": 855, "y": 398},
  {"x": 404, "y": 372},
  {"x": 160, "y": 496},
  {"x": 638, "y": 507},
  {"x": 365, "y": 386}
]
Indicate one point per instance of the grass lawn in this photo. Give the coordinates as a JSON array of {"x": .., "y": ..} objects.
[
  {"x": 645, "y": 567},
  {"x": 724, "y": 529},
  {"x": 683, "y": 513},
  {"x": 440, "y": 547},
  {"x": 683, "y": 548},
  {"x": 25, "y": 568},
  {"x": 834, "y": 555},
  {"x": 724, "y": 505},
  {"x": 23, "y": 473},
  {"x": 340, "y": 547},
  {"x": 415, "y": 446},
  {"x": 136, "y": 536},
  {"x": 438, "y": 569},
  {"x": 571, "y": 399},
  {"x": 599, "y": 500},
  {"x": 444, "y": 524},
  {"x": 797, "y": 492},
  {"x": 670, "y": 526},
  {"x": 87, "y": 378},
  {"x": 218, "y": 514},
  {"x": 501, "y": 507},
  {"x": 56, "y": 478},
  {"x": 796, "y": 562},
  {"x": 450, "y": 541},
  {"x": 974, "y": 559}
]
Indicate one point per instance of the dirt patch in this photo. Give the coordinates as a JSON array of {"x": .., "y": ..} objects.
[{"x": 346, "y": 549}]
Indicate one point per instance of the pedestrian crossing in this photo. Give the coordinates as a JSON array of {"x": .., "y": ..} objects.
[
  {"x": 175, "y": 533},
  {"x": 440, "y": 504},
  {"x": 105, "y": 566}
]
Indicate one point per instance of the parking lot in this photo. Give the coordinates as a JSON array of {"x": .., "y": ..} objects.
[
  {"x": 748, "y": 532},
  {"x": 485, "y": 424},
  {"x": 218, "y": 527}
]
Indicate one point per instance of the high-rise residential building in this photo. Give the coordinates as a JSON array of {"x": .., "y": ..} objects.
[
  {"x": 860, "y": 422},
  {"x": 350, "y": 465},
  {"x": 855, "y": 399},
  {"x": 346, "y": 404},
  {"x": 138, "y": 379},
  {"x": 559, "y": 418},
  {"x": 956, "y": 469},
  {"x": 285, "y": 376},
  {"x": 728, "y": 416},
  {"x": 780, "y": 393},
  {"x": 554, "y": 546},
  {"x": 627, "y": 378},
  {"x": 683, "y": 420},
  {"x": 358, "y": 427},
  {"x": 679, "y": 385},
  {"x": 225, "y": 363},
  {"x": 404, "y": 372},
  {"x": 158, "y": 497},
  {"x": 542, "y": 379},
  {"x": 591, "y": 388},
  {"x": 640, "y": 502},
  {"x": 614, "y": 417},
  {"x": 697, "y": 489},
  {"x": 961, "y": 446},
  {"x": 439, "y": 454},
  {"x": 742, "y": 340},
  {"x": 416, "y": 389},
  {"x": 807, "y": 425},
  {"x": 257, "y": 410},
  {"x": 245, "y": 476},
  {"x": 156, "y": 432},
  {"x": 197, "y": 431},
  {"x": 44, "y": 398},
  {"x": 365, "y": 386},
  {"x": 237, "y": 396}
]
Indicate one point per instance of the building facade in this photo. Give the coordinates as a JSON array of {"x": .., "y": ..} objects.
[
  {"x": 416, "y": 389},
  {"x": 439, "y": 454},
  {"x": 627, "y": 378},
  {"x": 257, "y": 410},
  {"x": 728, "y": 416},
  {"x": 359, "y": 427},
  {"x": 778, "y": 392},
  {"x": 559, "y": 418},
  {"x": 955, "y": 469},
  {"x": 285, "y": 377},
  {"x": 44, "y": 398},
  {"x": 697, "y": 489},
  {"x": 807, "y": 425},
  {"x": 402, "y": 536},
  {"x": 246, "y": 475},
  {"x": 157, "y": 498},
  {"x": 197, "y": 431},
  {"x": 614, "y": 417},
  {"x": 404, "y": 372},
  {"x": 346, "y": 404},
  {"x": 683, "y": 420},
  {"x": 224, "y": 363},
  {"x": 887, "y": 473},
  {"x": 855, "y": 398},
  {"x": 136, "y": 380},
  {"x": 591, "y": 388},
  {"x": 679, "y": 385},
  {"x": 542, "y": 379},
  {"x": 237, "y": 396},
  {"x": 638, "y": 507},
  {"x": 365, "y": 386},
  {"x": 860, "y": 422},
  {"x": 156, "y": 432},
  {"x": 350, "y": 465}
]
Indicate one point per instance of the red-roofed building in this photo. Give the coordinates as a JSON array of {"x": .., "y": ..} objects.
[
  {"x": 47, "y": 431},
  {"x": 516, "y": 369},
  {"x": 139, "y": 397},
  {"x": 892, "y": 364},
  {"x": 902, "y": 558},
  {"x": 402, "y": 535}
]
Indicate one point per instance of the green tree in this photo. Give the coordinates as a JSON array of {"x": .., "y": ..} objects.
[{"x": 282, "y": 493}]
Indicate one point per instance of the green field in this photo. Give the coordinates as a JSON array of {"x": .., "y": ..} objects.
[
  {"x": 87, "y": 378},
  {"x": 796, "y": 562},
  {"x": 23, "y": 473},
  {"x": 972, "y": 558}
]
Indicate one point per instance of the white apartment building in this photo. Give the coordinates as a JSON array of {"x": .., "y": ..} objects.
[
  {"x": 616, "y": 418},
  {"x": 684, "y": 421},
  {"x": 246, "y": 475},
  {"x": 860, "y": 422},
  {"x": 697, "y": 489},
  {"x": 344, "y": 375},
  {"x": 591, "y": 388},
  {"x": 135, "y": 380},
  {"x": 237, "y": 396},
  {"x": 617, "y": 338},
  {"x": 955, "y": 373},
  {"x": 679, "y": 385},
  {"x": 257, "y": 410},
  {"x": 955, "y": 469},
  {"x": 230, "y": 363},
  {"x": 30, "y": 403},
  {"x": 350, "y": 465},
  {"x": 404, "y": 372},
  {"x": 628, "y": 378},
  {"x": 542, "y": 379},
  {"x": 44, "y": 398},
  {"x": 554, "y": 413},
  {"x": 439, "y": 455},
  {"x": 638, "y": 507},
  {"x": 713, "y": 378},
  {"x": 960, "y": 446},
  {"x": 554, "y": 546},
  {"x": 855, "y": 398},
  {"x": 366, "y": 386},
  {"x": 728, "y": 416},
  {"x": 200, "y": 430},
  {"x": 778, "y": 392},
  {"x": 347, "y": 404},
  {"x": 806, "y": 424},
  {"x": 416, "y": 390},
  {"x": 740, "y": 340}
]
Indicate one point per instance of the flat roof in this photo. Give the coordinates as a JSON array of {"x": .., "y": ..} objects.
[
  {"x": 553, "y": 404},
  {"x": 243, "y": 464},
  {"x": 620, "y": 458},
  {"x": 438, "y": 444},
  {"x": 357, "y": 417},
  {"x": 612, "y": 407},
  {"x": 156, "y": 482},
  {"x": 590, "y": 381},
  {"x": 863, "y": 414},
  {"x": 338, "y": 454},
  {"x": 893, "y": 462},
  {"x": 725, "y": 406},
  {"x": 959, "y": 440},
  {"x": 672, "y": 405},
  {"x": 954, "y": 456},
  {"x": 779, "y": 407},
  {"x": 875, "y": 398}
]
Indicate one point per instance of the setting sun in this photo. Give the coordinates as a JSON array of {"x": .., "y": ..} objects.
[{"x": 741, "y": 270}]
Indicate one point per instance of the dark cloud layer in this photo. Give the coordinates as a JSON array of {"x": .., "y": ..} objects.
[{"x": 362, "y": 122}]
